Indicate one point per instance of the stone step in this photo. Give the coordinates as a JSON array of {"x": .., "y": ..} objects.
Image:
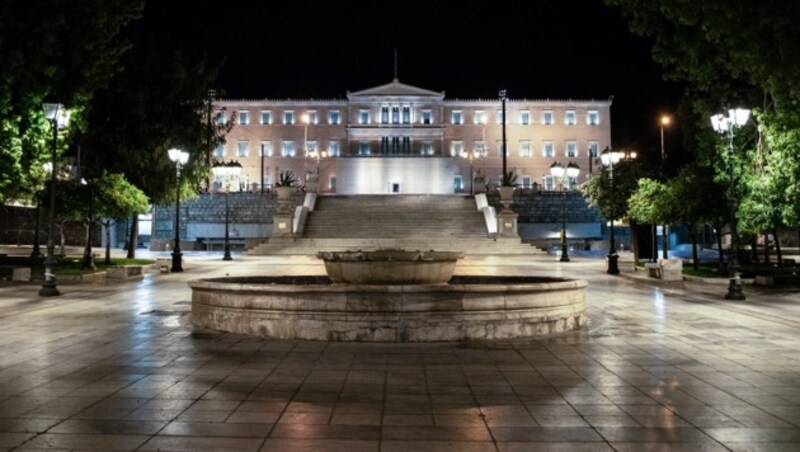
[{"x": 468, "y": 246}]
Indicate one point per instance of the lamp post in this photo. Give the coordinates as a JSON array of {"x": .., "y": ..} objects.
[
  {"x": 725, "y": 125},
  {"x": 36, "y": 249},
  {"x": 664, "y": 121},
  {"x": 609, "y": 159},
  {"x": 225, "y": 171},
  {"x": 58, "y": 117},
  {"x": 571, "y": 171},
  {"x": 179, "y": 158},
  {"x": 503, "y": 98}
]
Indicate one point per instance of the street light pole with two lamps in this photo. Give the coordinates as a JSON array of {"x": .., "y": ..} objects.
[
  {"x": 565, "y": 174},
  {"x": 226, "y": 171},
  {"x": 58, "y": 117},
  {"x": 724, "y": 125},
  {"x": 179, "y": 158}
]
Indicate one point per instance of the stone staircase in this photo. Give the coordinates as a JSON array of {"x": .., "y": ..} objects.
[{"x": 424, "y": 222}]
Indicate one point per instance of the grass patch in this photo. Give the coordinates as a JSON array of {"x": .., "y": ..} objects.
[
  {"x": 705, "y": 271},
  {"x": 74, "y": 266}
]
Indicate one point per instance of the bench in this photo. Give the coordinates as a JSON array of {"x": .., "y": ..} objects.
[
  {"x": 665, "y": 269},
  {"x": 15, "y": 273},
  {"x": 209, "y": 242},
  {"x": 125, "y": 272},
  {"x": 163, "y": 264}
]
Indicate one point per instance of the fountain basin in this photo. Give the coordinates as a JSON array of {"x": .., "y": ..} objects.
[
  {"x": 390, "y": 266},
  {"x": 315, "y": 308}
]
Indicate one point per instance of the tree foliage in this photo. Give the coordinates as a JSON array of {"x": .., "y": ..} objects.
[{"x": 51, "y": 50}]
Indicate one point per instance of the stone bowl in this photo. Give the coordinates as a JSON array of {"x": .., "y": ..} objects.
[{"x": 390, "y": 266}]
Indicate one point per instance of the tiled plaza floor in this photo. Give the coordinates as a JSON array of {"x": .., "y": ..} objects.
[{"x": 661, "y": 367}]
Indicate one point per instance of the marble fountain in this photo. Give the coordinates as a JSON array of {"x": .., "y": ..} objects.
[{"x": 389, "y": 296}]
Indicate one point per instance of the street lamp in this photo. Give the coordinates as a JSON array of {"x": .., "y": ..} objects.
[
  {"x": 225, "y": 171},
  {"x": 722, "y": 124},
  {"x": 179, "y": 158},
  {"x": 503, "y": 98},
  {"x": 471, "y": 156},
  {"x": 565, "y": 174},
  {"x": 36, "y": 249},
  {"x": 58, "y": 117},
  {"x": 665, "y": 121},
  {"x": 609, "y": 159}
]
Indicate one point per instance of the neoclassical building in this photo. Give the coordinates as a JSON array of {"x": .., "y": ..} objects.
[{"x": 397, "y": 138}]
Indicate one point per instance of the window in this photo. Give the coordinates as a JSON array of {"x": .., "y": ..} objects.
[
  {"x": 384, "y": 115},
  {"x": 548, "y": 183},
  {"x": 525, "y": 117},
  {"x": 384, "y": 147},
  {"x": 266, "y": 118},
  {"x": 334, "y": 149},
  {"x": 363, "y": 148},
  {"x": 220, "y": 118},
  {"x": 547, "y": 117},
  {"x": 363, "y": 117},
  {"x": 266, "y": 148},
  {"x": 427, "y": 117},
  {"x": 242, "y": 149},
  {"x": 334, "y": 117},
  {"x": 569, "y": 118},
  {"x": 395, "y": 115},
  {"x": 592, "y": 117},
  {"x": 332, "y": 183},
  {"x": 456, "y": 148},
  {"x": 406, "y": 145},
  {"x": 500, "y": 148},
  {"x": 526, "y": 182},
  {"x": 479, "y": 117},
  {"x": 457, "y": 117},
  {"x": 312, "y": 148},
  {"x": 219, "y": 151},
  {"x": 480, "y": 148},
  {"x": 427, "y": 148},
  {"x": 458, "y": 182},
  {"x": 525, "y": 149},
  {"x": 548, "y": 150},
  {"x": 594, "y": 147},
  {"x": 244, "y": 118},
  {"x": 288, "y": 117},
  {"x": 406, "y": 115},
  {"x": 571, "y": 150},
  {"x": 266, "y": 181},
  {"x": 499, "y": 116},
  {"x": 312, "y": 117},
  {"x": 287, "y": 149}
]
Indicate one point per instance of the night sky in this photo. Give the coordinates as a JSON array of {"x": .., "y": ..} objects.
[{"x": 573, "y": 49}]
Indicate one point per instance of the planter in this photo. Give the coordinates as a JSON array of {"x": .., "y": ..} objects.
[
  {"x": 506, "y": 194},
  {"x": 284, "y": 193}
]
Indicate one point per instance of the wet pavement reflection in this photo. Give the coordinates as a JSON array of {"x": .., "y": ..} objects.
[{"x": 662, "y": 366}]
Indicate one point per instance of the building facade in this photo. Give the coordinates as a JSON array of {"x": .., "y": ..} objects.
[{"x": 398, "y": 138}]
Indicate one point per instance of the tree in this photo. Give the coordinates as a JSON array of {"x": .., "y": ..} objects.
[
  {"x": 116, "y": 199},
  {"x": 731, "y": 52},
  {"x": 159, "y": 101},
  {"x": 51, "y": 50}
]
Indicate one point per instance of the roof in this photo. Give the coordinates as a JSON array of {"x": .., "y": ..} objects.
[{"x": 395, "y": 88}]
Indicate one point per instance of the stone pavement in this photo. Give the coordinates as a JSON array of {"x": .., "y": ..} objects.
[{"x": 661, "y": 367}]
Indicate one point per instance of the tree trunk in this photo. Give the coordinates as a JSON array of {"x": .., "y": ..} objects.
[
  {"x": 665, "y": 242},
  {"x": 719, "y": 247},
  {"x": 778, "y": 247},
  {"x": 62, "y": 240},
  {"x": 693, "y": 237},
  {"x": 754, "y": 248},
  {"x": 634, "y": 242},
  {"x": 653, "y": 243},
  {"x": 766, "y": 249},
  {"x": 134, "y": 237},
  {"x": 107, "y": 226}
]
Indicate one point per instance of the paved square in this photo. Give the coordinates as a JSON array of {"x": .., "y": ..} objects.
[{"x": 662, "y": 366}]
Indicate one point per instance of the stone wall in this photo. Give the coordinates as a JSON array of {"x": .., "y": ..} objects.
[
  {"x": 204, "y": 216},
  {"x": 546, "y": 207},
  {"x": 17, "y": 226}
]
